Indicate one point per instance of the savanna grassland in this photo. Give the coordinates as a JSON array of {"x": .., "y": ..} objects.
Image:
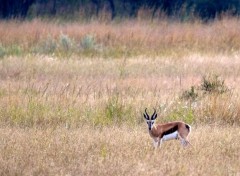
[{"x": 72, "y": 97}]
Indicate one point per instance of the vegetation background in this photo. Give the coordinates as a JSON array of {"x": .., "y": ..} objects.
[
  {"x": 76, "y": 76},
  {"x": 116, "y": 9}
]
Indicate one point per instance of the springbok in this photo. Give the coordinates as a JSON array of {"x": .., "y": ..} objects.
[{"x": 167, "y": 131}]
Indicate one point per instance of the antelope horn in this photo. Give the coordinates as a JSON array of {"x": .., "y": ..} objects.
[
  {"x": 154, "y": 113},
  {"x": 146, "y": 114}
]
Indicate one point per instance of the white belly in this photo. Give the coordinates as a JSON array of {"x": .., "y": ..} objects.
[{"x": 170, "y": 136}]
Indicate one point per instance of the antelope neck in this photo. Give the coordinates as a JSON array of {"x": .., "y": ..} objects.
[{"x": 153, "y": 132}]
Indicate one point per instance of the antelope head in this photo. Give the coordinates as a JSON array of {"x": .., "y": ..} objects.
[{"x": 150, "y": 121}]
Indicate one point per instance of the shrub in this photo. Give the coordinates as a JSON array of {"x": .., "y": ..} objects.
[
  {"x": 2, "y": 51},
  {"x": 213, "y": 84},
  {"x": 191, "y": 94},
  {"x": 180, "y": 111},
  {"x": 48, "y": 46},
  {"x": 210, "y": 84},
  {"x": 66, "y": 43},
  {"x": 15, "y": 50},
  {"x": 114, "y": 112},
  {"x": 88, "y": 43},
  {"x": 213, "y": 102}
]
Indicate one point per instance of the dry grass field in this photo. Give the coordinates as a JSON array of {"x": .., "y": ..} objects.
[
  {"x": 72, "y": 97},
  {"x": 117, "y": 151}
]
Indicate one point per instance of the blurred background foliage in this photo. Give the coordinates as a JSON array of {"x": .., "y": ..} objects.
[{"x": 118, "y": 9}]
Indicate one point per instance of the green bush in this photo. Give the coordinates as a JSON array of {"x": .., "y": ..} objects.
[
  {"x": 66, "y": 43},
  {"x": 191, "y": 94},
  {"x": 211, "y": 103},
  {"x": 88, "y": 43},
  {"x": 2, "y": 51},
  {"x": 181, "y": 112},
  {"x": 213, "y": 84},
  {"x": 48, "y": 46},
  {"x": 15, "y": 50}
]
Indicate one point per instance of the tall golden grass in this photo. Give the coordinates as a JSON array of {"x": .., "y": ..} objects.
[
  {"x": 117, "y": 151},
  {"x": 129, "y": 37},
  {"x": 81, "y": 114},
  {"x": 42, "y": 91}
]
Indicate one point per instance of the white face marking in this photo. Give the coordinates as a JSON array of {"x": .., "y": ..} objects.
[{"x": 150, "y": 124}]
